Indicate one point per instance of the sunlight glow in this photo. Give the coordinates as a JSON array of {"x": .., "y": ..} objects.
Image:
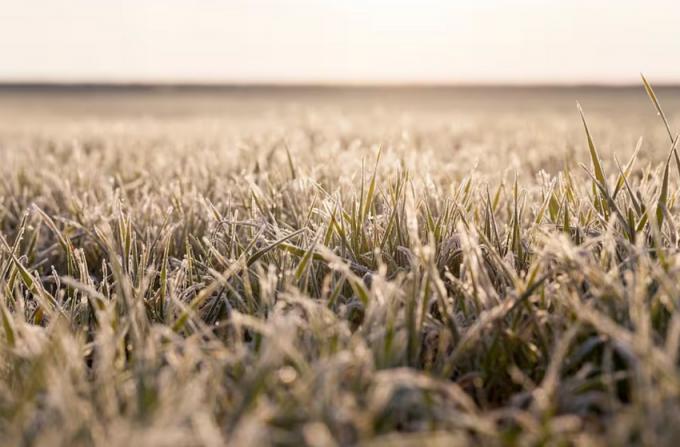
[{"x": 431, "y": 41}]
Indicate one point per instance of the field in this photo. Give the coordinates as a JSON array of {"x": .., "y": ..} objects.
[{"x": 467, "y": 266}]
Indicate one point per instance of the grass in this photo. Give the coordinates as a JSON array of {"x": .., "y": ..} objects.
[{"x": 301, "y": 291}]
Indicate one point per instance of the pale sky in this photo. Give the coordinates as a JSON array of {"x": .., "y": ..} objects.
[{"x": 326, "y": 41}]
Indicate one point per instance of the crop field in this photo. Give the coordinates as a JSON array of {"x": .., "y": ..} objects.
[{"x": 331, "y": 267}]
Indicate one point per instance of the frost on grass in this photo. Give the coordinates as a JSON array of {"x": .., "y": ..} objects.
[{"x": 329, "y": 279}]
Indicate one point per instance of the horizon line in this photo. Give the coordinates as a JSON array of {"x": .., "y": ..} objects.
[{"x": 199, "y": 85}]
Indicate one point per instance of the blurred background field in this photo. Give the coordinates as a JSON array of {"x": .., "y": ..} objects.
[{"x": 540, "y": 125}]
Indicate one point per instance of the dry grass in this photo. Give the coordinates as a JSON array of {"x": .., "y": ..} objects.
[{"x": 330, "y": 279}]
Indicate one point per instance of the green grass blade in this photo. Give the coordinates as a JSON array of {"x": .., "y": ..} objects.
[{"x": 657, "y": 106}]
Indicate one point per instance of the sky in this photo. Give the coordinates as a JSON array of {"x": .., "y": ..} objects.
[{"x": 350, "y": 41}]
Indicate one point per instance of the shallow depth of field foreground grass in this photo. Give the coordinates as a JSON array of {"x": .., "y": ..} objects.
[{"x": 327, "y": 286}]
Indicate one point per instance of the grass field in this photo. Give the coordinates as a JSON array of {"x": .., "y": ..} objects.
[{"x": 339, "y": 267}]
